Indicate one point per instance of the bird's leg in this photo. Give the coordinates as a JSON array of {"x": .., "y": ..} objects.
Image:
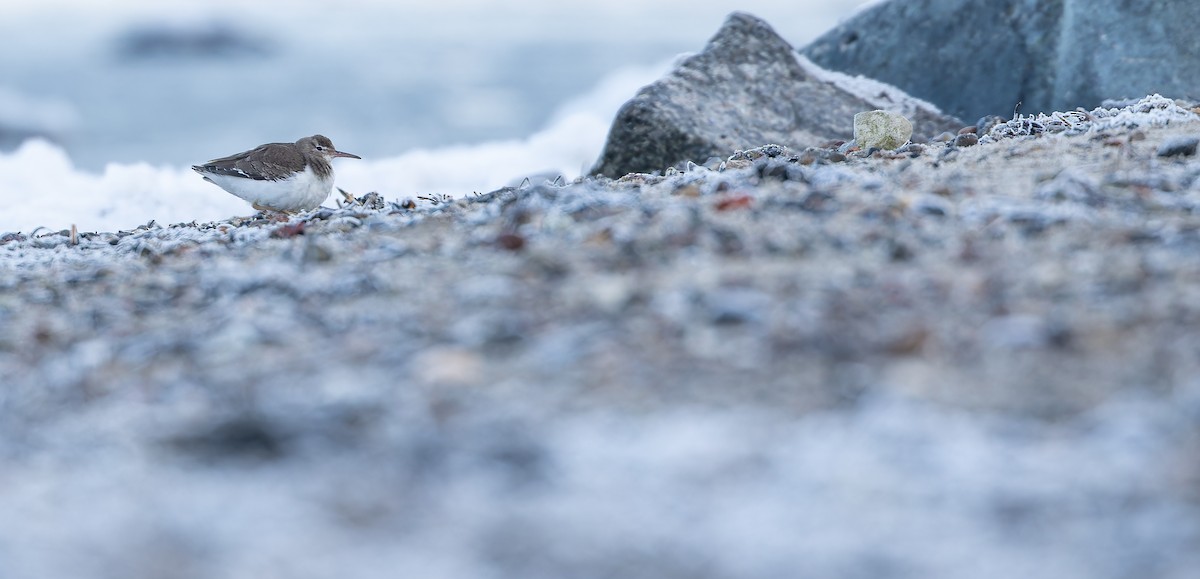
[{"x": 273, "y": 214}]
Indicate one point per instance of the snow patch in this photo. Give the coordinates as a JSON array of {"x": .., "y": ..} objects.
[
  {"x": 39, "y": 186},
  {"x": 880, "y": 94}
]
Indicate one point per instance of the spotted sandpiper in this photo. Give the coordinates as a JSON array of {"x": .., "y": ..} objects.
[{"x": 283, "y": 177}]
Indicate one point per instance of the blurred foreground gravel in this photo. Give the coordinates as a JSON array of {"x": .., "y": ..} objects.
[{"x": 944, "y": 362}]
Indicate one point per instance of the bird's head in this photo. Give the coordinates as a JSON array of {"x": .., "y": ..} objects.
[{"x": 321, "y": 145}]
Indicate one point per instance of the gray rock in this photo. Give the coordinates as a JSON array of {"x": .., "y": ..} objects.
[
  {"x": 746, "y": 89},
  {"x": 983, "y": 57},
  {"x": 1125, "y": 49}
]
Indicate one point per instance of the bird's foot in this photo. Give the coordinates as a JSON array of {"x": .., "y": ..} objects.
[{"x": 273, "y": 214}]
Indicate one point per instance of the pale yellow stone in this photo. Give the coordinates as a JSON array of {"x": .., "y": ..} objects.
[{"x": 882, "y": 129}]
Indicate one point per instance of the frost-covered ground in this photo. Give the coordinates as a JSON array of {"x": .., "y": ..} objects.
[{"x": 946, "y": 362}]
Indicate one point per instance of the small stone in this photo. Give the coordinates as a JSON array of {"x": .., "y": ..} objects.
[
  {"x": 288, "y": 231},
  {"x": 345, "y": 224},
  {"x": 932, "y": 205},
  {"x": 731, "y": 202},
  {"x": 881, "y": 129},
  {"x": 315, "y": 252},
  {"x": 966, "y": 140},
  {"x": 1179, "y": 147},
  {"x": 511, "y": 241},
  {"x": 448, "y": 366},
  {"x": 732, "y": 306},
  {"x": 984, "y": 125}
]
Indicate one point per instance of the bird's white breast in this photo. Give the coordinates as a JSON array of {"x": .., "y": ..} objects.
[{"x": 304, "y": 190}]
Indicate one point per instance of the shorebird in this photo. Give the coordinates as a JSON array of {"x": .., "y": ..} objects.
[{"x": 285, "y": 177}]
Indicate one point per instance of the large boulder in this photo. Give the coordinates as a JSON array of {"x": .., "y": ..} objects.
[
  {"x": 747, "y": 88},
  {"x": 1124, "y": 49},
  {"x": 982, "y": 57}
]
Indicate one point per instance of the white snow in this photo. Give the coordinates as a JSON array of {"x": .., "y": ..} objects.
[
  {"x": 879, "y": 94},
  {"x": 40, "y": 187}
]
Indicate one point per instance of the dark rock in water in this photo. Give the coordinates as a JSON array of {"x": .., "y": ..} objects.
[
  {"x": 983, "y": 57},
  {"x": 212, "y": 41},
  {"x": 747, "y": 88}
]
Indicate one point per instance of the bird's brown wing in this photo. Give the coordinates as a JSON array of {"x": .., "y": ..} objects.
[{"x": 273, "y": 161}]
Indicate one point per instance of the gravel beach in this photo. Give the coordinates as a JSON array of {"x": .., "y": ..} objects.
[{"x": 943, "y": 361}]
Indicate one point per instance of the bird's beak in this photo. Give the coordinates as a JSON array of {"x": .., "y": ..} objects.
[{"x": 336, "y": 153}]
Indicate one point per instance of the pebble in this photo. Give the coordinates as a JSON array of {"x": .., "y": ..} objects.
[
  {"x": 984, "y": 124},
  {"x": 448, "y": 366},
  {"x": 932, "y": 205},
  {"x": 882, "y": 129},
  {"x": 775, "y": 168},
  {"x": 1179, "y": 147},
  {"x": 736, "y": 305},
  {"x": 966, "y": 140},
  {"x": 346, "y": 223}
]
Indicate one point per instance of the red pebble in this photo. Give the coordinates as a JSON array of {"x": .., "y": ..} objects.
[
  {"x": 740, "y": 201},
  {"x": 289, "y": 231}
]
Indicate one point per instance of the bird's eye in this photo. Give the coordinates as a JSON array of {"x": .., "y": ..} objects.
[{"x": 320, "y": 148}]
